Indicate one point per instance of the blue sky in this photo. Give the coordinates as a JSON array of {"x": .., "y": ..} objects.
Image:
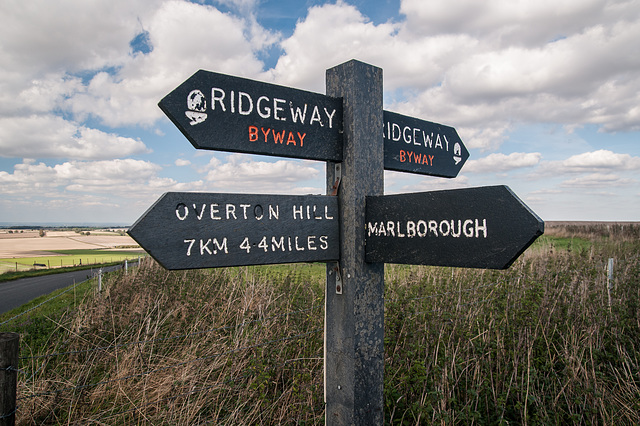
[{"x": 545, "y": 95}]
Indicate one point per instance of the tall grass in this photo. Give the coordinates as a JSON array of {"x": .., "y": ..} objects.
[{"x": 536, "y": 344}]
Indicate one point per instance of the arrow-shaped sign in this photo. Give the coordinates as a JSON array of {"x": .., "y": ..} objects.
[
  {"x": 207, "y": 230},
  {"x": 486, "y": 227},
  {"x": 226, "y": 113},
  {"x": 419, "y": 146}
]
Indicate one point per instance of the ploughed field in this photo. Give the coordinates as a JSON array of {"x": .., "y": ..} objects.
[{"x": 21, "y": 250}]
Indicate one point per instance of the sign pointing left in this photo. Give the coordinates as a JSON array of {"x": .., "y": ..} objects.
[
  {"x": 186, "y": 230},
  {"x": 227, "y": 113}
]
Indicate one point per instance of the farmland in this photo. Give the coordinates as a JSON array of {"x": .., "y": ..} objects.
[
  {"x": 540, "y": 343},
  {"x": 26, "y": 250}
]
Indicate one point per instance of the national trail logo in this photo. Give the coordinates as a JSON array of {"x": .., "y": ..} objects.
[{"x": 197, "y": 105}]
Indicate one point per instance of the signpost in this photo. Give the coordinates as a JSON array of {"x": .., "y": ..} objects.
[
  {"x": 204, "y": 230},
  {"x": 226, "y": 113},
  {"x": 355, "y": 228},
  {"x": 486, "y": 227},
  {"x": 418, "y": 146}
]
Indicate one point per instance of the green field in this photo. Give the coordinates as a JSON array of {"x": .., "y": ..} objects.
[{"x": 65, "y": 258}]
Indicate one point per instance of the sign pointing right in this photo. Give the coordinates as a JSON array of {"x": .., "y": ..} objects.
[
  {"x": 418, "y": 146},
  {"x": 486, "y": 227}
]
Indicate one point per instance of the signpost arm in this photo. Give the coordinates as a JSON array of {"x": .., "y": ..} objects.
[{"x": 354, "y": 320}]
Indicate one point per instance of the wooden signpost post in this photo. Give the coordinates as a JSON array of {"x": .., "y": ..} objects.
[{"x": 354, "y": 228}]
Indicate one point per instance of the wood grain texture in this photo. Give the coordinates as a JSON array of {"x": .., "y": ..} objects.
[{"x": 354, "y": 325}]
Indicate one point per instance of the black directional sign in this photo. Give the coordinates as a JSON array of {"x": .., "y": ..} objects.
[
  {"x": 226, "y": 113},
  {"x": 419, "y": 146},
  {"x": 206, "y": 230},
  {"x": 486, "y": 227}
]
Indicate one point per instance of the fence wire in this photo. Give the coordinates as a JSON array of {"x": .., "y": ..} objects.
[{"x": 40, "y": 304}]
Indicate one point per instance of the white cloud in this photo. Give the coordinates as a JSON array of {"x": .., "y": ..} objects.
[
  {"x": 43, "y": 54},
  {"x": 598, "y": 180},
  {"x": 595, "y": 161},
  {"x": 519, "y": 21},
  {"x": 497, "y": 163},
  {"x": 48, "y": 136},
  {"x": 601, "y": 159},
  {"x": 240, "y": 174},
  {"x": 117, "y": 178},
  {"x": 69, "y": 35},
  {"x": 181, "y": 162},
  {"x": 185, "y": 37}
]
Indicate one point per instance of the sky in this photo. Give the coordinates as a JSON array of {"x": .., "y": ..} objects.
[{"x": 544, "y": 94}]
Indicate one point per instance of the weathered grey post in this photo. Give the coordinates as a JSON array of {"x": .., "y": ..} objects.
[
  {"x": 9, "y": 348},
  {"x": 354, "y": 311}
]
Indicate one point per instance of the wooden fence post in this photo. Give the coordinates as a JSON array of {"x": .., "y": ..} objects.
[
  {"x": 9, "y": 347},
  {"x": 354, "y": 307}
]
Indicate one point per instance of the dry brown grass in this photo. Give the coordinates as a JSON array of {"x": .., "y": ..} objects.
[{"x": 536, "y": 344}]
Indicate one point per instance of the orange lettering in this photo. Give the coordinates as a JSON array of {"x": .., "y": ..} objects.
[
  {"x": 431, "y": 158},
  {"x": 253, "y": 133},
  {"x": 402, "y": 156},
  {"x": 265, "y": 133},
  {"x": 301, "y": 138},
  {"x": 278, "y": 137},
  {"x": 417, "y": 158},
  {"x": 291, "y": 139}
]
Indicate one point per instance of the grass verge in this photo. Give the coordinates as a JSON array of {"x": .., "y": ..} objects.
[{"x": 536, "y": 344}]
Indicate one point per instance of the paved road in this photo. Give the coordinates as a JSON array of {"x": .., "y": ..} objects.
[{"x": 18, "y": 292}]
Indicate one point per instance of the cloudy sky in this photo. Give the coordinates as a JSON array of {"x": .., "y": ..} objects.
[{"x": 545, "y": 95}]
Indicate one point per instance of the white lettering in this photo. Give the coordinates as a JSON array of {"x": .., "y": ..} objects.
[
  {"x": 298, "y": 114},
  {"x": 277, "y": 109},
  {"x": 244, "y": 209},
  {"x": 467, "y": 228},
  {"x": 277, "y": 244},
  {"x": 185, "y": 210},
  {"x": 315, "y": 116},
  {"x": 231, "y": 210},
  {"x": 407, "y": 139},
  {"x": 214, "y": 211},
  {"x": 263, "y": 111},
  {"x": 324, "y": 244},
  {"x": 274, "y": 214},
  {"x": 199, "y": 216},
  {"x": 241, "y": 96},
  {"x": 330, "y": 117},
  {"x": 191, "y": 243},
  {"x": 219, "y": 98},
  {"x": 482, "y": 228},
  {"x": 326, "y": 213},
  {"x": 257, "y": 215}
]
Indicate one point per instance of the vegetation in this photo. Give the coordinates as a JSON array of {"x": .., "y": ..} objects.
[
  {"x": 536, "y": 344},
  {"x": 63, "y": 261}
]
